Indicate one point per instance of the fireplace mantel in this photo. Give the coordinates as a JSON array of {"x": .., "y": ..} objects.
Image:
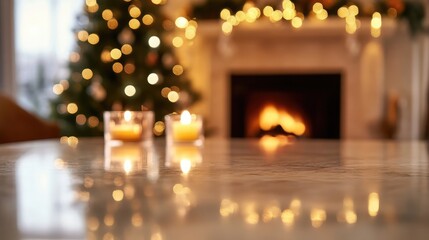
[{"x": 372, "y": 68}]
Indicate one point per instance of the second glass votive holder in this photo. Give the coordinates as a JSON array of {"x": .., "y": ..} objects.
[
  {"x": 128, "y": 126},
  {"x": 185, "y": 128}
]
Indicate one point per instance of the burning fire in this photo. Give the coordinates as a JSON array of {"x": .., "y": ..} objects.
[{"x": 271, "y": 117}]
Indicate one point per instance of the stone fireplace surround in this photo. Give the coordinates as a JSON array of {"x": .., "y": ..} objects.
[{"x": 373, "y": 70}]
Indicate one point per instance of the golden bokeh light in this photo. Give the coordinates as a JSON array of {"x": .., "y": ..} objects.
[
  {"x": 157, "y": 2},
  {"x": 134, "y": 23},
  {"x": 154, "y": 41},
  {"x": 92, "y": 223},
  {"x": 288, "y": 217},
  {"x": 93, "y": 8},
  {"x": 107, "y": 14},
  {"x": 93, "y": 121},
  {"x": 289, "y": 13},
  {"x": 118, "y": 195},
  {"x": 137, "y": 220},
  {"x": 177, "y": 42},
  {"x": 158, "y": 128},
  {"x": 57, "y": 89},
  {"x": 93, "y": 38},
  {"x": 177, "y": 70},
  {"x": 117, "y": 67},
  {"x": 181, "y": 22},
  {"x": 80, "y": 119},
  {"x": 130, "y": 90},
  {"x": 82, "y": 35},
  {"x": 173, "y": 96},
  {"x": 227, "y": 27},
  {"x": 112, "y": 24},
  {"x": 134, "y": 11},
  {"x": 129, "y": 68},
  {"x": 318, "y": 217},
  {"x": 296, "y": 22},
  {"x": 373, "y": 204},
  {"x": 190, "y": 32},
  {"x": 228, "y": 207},
  {"x": 165, "y": 91},
  {"x": 115, "y": 53},
  {"x": 87, "y": 74},
  {"x": 72, "y": 108},
  {"x": 105, "y": 56},
  {"x": 343, "y": 12},
  {"x": 147, "y": 19},
  {"x": 267, "y": 11},
  {"x": 153, "y": 78},
  {"x": 127, "y": 49},
  {"x": 74, "y": 57},
  {"x": 225, "y": 14}
]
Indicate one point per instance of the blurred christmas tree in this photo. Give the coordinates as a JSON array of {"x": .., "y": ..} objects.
[{"x": 123, "y": 61}]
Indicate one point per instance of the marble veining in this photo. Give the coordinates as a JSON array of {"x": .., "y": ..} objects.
[{"x": 226, "y": 189}]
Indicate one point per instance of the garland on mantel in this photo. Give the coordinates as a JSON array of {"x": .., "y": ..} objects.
[{"x": 412, "y": 11}]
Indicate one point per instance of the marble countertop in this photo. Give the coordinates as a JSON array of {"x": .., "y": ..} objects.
[{"x": 227, "y": 189}]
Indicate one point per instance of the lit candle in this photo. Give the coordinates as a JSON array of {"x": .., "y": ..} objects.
[
  {"x": 126, "y": 130},
  {"x": 186, "y": 129}
]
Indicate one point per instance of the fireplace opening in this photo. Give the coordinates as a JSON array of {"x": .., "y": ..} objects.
[{"x": 291, "y": 105}]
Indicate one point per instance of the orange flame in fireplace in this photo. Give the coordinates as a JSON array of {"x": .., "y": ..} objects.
[{"x": 271, "y": 117}]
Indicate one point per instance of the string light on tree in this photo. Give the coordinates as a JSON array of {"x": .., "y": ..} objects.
[{"x": 123, "y": 59}]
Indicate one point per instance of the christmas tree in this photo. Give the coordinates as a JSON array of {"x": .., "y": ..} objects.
[{"x": 123, "y": 61}]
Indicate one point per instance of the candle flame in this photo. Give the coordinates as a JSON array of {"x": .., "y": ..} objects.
[
  {"x": 127, "y": 166},
  {"x": 185, "y": 166},
  {"x": 185, "y": 117},
  {"x": 127, "y": 116}
]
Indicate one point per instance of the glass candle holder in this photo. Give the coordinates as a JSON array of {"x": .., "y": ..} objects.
[
  {"x": 184, "y": 128},
  {"x": 128, "y": 126}
]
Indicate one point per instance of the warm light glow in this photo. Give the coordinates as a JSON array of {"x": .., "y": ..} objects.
[
  {"x": 118, "y": 195},
  {"x": 105, "y": 56},
  {"x": 177, "y": 42},
  {"x": 90, "y": 3},
  {"x": 93, "y": 121},
  {"x": 317, "y": 7},
  {"x": 128, "y": 166},
  {"x": 190, "y": 32},
  {"x": 57, "y": 89},
  {"x": 353, "y": 10},
  {"x": 134, "y": 11},
  {"x": 107, "y": 14},
  {"x": 227, "y": 207},
  {"x": 74, "y": 57},
  {"x": 134, "y": 23},
  {"x": 72, "y": 108},
  {"x": 157, "y": 2},
  {"x": 93, "y": 8},
  {"x": 295, "y": 206},
  {"x": 376, "y": 24},
  {"x": 373, "y": 204},
  {"x": 80, "y": 119},
  {"x": 225, "y": 14},
  {"x": 267, "y": 11},
  {"x": 93, "y": 223},
  {"x": 289, "y": 13},
  {"x": 117, "y": 67},
  {"x": 296, "y": 22},
  {"x": 93, "y": 38},
  {"x": 127, "y": 116},
  {"x": 115, "y": 53},
  {"x": 276, "y": 16},
  {"x": 227, "y": 28},
  {"x": 343, "y": 12},
  {"x": 137, "y": 220},
  {"x": 158, "y": 128},
  {"x": 82, "y": 35},
  {"x": 268, "y": 118},
  {"x": 109, "y": 220},
  {"x": 185, "y": 117},
  {"x": 181, "y": 22},
  {"x": 173, "y": 96},
  {"x": 147, "y": 19},
  {"x": 185, "y": 166},
  {"x": 126, "y": 49},
  {"x": 153, "y": 78},
  {"x": 288, "y": 218},
  {"x": 318, "y": 217},
  {"x": 112, "y": 24},
  {"x": 270, "y": 213},
  {"x": 269, "y": 143},
  {"x": 177, "y": 70},
  {"x": 252, "y": 218},
  {"x": 129, "y": 68},
  {"x": 154, "y": 42},
  {"x": 87, "y": 74},
  {"x": 130, "y": 90}
]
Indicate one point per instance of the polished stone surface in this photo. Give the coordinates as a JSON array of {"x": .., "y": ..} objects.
[{"x": 227, "y": 189}]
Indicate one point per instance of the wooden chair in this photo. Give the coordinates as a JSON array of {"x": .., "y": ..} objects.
[{"x": 17, "y": 124}]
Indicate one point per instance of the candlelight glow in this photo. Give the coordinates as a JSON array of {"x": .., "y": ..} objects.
[
  {"x": 373, "y": 204},
  {"x": 127, "y": 116},
  {"x": 318, "y": 217},
  {"x": 185, "y": 117},
  {"x": 185, "y": 166}
]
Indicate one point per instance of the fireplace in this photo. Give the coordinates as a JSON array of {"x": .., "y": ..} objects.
[{"x": 298, "y": 105}]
